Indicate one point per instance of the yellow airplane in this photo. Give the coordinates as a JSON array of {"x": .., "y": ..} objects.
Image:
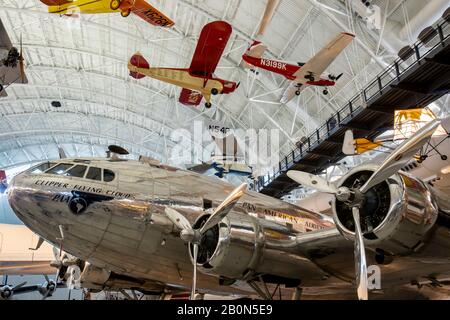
[{"x": 139, "y": 7}]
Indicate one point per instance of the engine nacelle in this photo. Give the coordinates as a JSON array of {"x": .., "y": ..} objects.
[
  {"x": 243, "y": 246},
  {"x": 396, "y": 214}
]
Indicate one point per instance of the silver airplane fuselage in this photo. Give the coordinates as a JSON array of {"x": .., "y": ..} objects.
[
  {"x": 121, "y": 226},
  {"x": 116, "y": 222}
]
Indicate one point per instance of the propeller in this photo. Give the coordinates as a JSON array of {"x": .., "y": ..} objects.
[
  {"x": 194, "y": 236},
  {"x": 335, "y": 78},
  {"x": 355, "y": 197},
  {"x": 48, "y": 288},
  {"x": 21, "y": 65},
  {"x": 6, "y": 291}
]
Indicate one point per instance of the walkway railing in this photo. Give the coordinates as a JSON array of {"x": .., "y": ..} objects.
[{"x": 394, "y": 72}]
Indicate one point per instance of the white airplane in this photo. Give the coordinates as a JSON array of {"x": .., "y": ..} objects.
[
  {"x": 148, "y": 226},
  {"x": 302, "y": 74}
]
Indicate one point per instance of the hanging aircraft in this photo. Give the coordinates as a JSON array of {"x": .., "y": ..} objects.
[
  {"x": 198, "y": 80},
  {"x": 151, "y": 224},
  {"x": 11, "y": 62},
  {"x": 302, "y": 74},
  {"x": 141, "y": 8},
  {"x": 406, "y": 123},
  {"x": 227, "y": 157}
]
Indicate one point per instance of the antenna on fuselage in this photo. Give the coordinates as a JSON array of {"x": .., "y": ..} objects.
[{"x": 114, "y": 152}]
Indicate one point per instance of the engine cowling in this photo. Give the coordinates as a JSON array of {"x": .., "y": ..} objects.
[
  {"x": 395, "y": 216},
  {"x": 243, "y": 247}
]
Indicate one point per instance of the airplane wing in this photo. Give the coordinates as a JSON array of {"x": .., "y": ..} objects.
[
  {"x": 317, "y": 64},
  {"x": 210, "y": 46},
  {"x": 190, "y": 98},
  {"x": 289, "y": 93},
  {"x": 150, "y": 14},
  {"x": 55, "y": 2}
]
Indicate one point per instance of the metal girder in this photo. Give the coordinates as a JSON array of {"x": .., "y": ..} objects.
[
  {"x": 25, "y": 114},
  {"x": 106, "y": 106},
  {"x": 46, "y": 155},
  {"x": 69, "y": 131}
]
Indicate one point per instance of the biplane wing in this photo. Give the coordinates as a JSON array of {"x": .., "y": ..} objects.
[
  {"x": 210, "y": 46},
  {"x": 317, "y": 64},
  {"x": 190, "y": 98},
  {"x": 150, "y": 14}
]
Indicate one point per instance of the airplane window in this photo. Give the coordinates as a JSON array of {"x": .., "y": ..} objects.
[
  {"x": 60, "y": 168},
  {"x": 94, "y": 174},
  {"x": 76, "y": 171},
  {"x": 42, "y": 167},
  {"x": 108, "y": 175}
]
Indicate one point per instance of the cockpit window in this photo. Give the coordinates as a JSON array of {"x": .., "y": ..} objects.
[
  {"x": 42, "y": 167},
  {"x": 76, "y": 171},
  {"x": 108, "y": 175},
  {"x": 60, "y": 168},
  {"x": 94, "y": 174}
]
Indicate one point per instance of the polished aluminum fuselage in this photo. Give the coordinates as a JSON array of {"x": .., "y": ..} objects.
[{"x": 124, "y": 228}]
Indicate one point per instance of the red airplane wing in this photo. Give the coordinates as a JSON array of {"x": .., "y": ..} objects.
[
  {"x": 151, "y": 14},
  {"x": 210, "y": 46},
  {"x": 54, "y": 2},
  {"x": 190, "y": 98}
]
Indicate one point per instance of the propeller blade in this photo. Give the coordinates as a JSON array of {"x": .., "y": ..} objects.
[
  {"x": 401, "y": 155},
  {"x": 348, "y": 146},
  {"x": 46, "y": 278},
  {"x": 360, "y": 258},
  {"x": 55, "y": 253},
  {"x": 61, "y": 153},
  {"x": 22, "y": 69},
  {"x": 194, "y": 276},
  {"x": 20, "y": 285},
  {"x": 312, "y": 181},
  {"x": 224, "y": 208},
  {"x": 178, "y": 219}
]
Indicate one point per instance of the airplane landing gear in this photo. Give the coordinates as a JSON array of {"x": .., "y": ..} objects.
[
  {"x": 325, "y": 92},
  {"x": 422, "y": 158},
  {"x": 297, "y": 93},
  {"x": 125, "y": 13},
  {"x": 214, "y": 91},
  {"x": 208, "y": 105},
  {"x": 310, "y": 77},
  {"x": 114, "y": 4},
  {"x": 444, "y": 157}
]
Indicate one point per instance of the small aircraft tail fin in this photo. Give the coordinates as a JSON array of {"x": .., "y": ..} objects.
[
  {"x": 256, "y": 50},
  {"x": 348, "y": 146},
  {"x": 139, "y": 61}
]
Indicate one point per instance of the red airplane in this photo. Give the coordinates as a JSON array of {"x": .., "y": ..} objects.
[
  {"x": 303, "y": 74},
  {"x": 198, "y": 80}
]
